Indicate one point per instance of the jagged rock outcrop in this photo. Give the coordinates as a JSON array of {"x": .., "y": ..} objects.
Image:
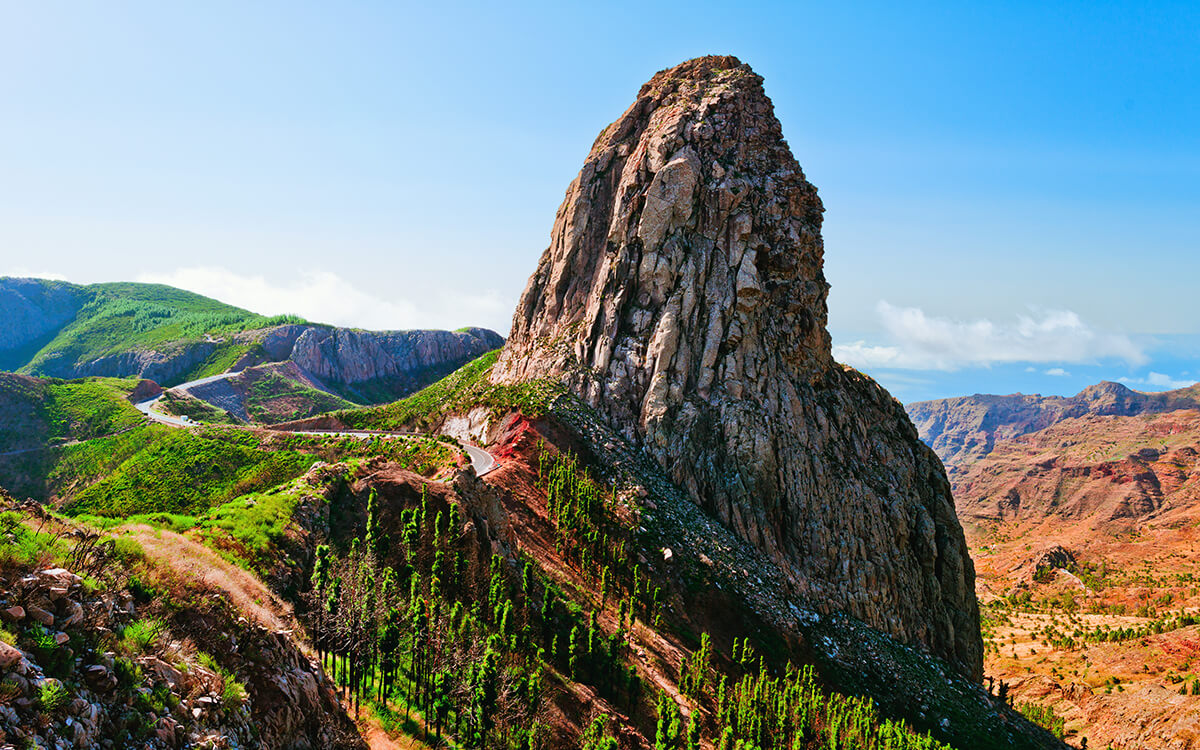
[
  {"x": 965, "y": 429},
  {"x": 347, "y": 355},
  {"x": 682, "y": 297},
  {"x": 337, "y": 355}
]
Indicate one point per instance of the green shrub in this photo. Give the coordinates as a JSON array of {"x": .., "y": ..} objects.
[
  {"x": 142, "y": 592},
  {"x": 127, "y": 673},
  {"x": 53, "y": 696},
  {"x": 233, "y": 691},
  {"x": 139, "y": 636},
  {"x": 128, "y": 549},
  {"x": 24, "y": 547}
]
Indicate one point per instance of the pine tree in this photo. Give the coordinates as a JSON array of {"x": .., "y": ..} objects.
[
  {"x": 376, "y": 540},
  {"x": 573, "y": 653}
]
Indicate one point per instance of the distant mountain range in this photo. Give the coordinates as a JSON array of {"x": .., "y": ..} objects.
[
  {"x": 1108, "y": 459},
  {"x": 962, "y": 430}
]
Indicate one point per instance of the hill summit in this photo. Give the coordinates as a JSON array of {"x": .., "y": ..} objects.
[{"x": 683, "y": 298}]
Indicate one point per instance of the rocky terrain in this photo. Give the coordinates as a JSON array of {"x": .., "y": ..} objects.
[
  {"x": 1082, "y": 514},
  {"x": 682, "y": 297},
  {"x": 364, "y": 363},
  {"x": 108, "y": 662}
]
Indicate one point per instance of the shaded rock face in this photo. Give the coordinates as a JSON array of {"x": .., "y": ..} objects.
[
  {"x": 345, "y": 355},
  {"x": 33, "y": 308},
  {"x": 682, "y": 297},
  {"x": 162, "y": 366}
]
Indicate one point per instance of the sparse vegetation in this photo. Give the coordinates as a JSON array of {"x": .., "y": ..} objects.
[
  {"x": 140, "y": 635},
  {"x": 1043, "y": 716},
  {"x": 463, "y": 389},
  {"x": 272, "y": 398}
]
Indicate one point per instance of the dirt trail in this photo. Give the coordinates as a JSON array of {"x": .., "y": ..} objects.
[
  {"x": 193, "y": 560},
  {"x": 377, "y": 739}
]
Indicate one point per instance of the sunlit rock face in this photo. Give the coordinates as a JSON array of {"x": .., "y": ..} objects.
[{"x": 683, "y": 297}]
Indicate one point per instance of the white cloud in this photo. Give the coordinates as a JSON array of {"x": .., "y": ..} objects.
[
  {"x": 923, "y": 342},
  {"x": 1058, "y": 372},
  {"x": 24, "y": 272},
  {"x": 1157, "y": 381},
  {"x": 319, "y": 296}
]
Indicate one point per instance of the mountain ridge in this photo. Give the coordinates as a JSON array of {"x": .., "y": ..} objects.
[{"x": 965, "y": 428}]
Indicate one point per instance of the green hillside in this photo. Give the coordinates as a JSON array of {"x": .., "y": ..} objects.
[
  {"x": 36, "y": 411},
  {"x": 184, "y": 472},
  {"x": 272, "y": 398},
  {"x": 123, "y": 317},
  {"x": 457, "y": 392}
]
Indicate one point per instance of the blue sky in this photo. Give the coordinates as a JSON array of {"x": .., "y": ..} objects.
[{"x": 1011, "y": 189}]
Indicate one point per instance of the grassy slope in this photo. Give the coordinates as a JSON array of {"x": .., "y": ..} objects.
[
  {"x": 458, "y": 392},
  {"x": 197, "y": 410},
  {"x": 185, "y": 472},
  {"x": 126, "y": 316},
  {"x": 36, "y": 411},
  {"x": 273, "y": 398}
]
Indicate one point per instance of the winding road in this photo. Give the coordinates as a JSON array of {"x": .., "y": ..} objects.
[{"x": 481, "y": 460}]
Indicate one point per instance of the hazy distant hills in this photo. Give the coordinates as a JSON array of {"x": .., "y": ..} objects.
[{"x": 961, "y": 430}]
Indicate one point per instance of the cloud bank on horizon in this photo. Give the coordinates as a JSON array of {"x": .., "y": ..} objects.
[
  {"x": 919, "y": 356},
  {"x": 918, "y": 341},
  {"x": 326, "y": 297}
]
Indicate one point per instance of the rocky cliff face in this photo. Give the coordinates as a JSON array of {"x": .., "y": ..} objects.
[
  {"x": 163, "y": 365},
  {"x": 346, "y": 355},
  {"x": 963, "y": 430},
  {"x": 682, "y": 297}
]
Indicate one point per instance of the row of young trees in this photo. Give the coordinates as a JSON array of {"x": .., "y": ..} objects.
[
  {"x": 427, "y": 622},
  {"x": 430, "y": 622},
  {"x": 400, "y": 624},
  {"x": 749, "y": 708}
]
